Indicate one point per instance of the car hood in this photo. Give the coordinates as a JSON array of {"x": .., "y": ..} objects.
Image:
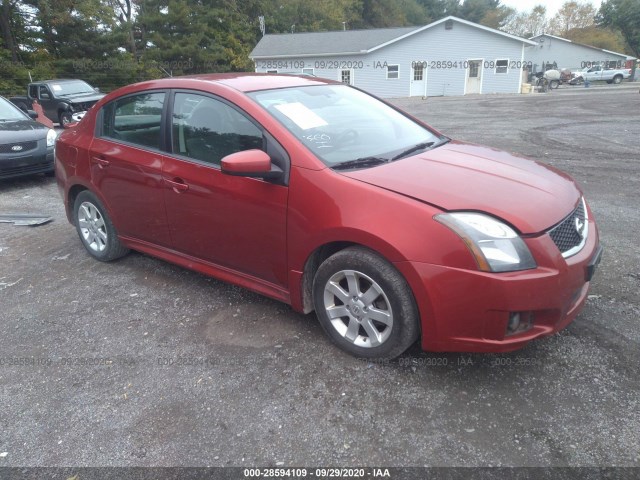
[
  {"x": 84, "y": 97},
  {"x": 16, "y": 131},
  {"x": 529, "y": 195}
]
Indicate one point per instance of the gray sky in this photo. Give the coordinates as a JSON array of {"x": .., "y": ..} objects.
[{"x": 552, "y": 5}]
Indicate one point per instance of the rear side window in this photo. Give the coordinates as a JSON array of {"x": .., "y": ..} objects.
[
  {"x": 206, "y": 129},
  {"x": 135, "y": 119}
]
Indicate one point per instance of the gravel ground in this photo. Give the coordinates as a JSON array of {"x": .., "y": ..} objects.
[{"x": 141, "y": 363}]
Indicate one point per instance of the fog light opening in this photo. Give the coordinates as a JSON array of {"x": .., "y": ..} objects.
[{"x": 519, "y": 322}]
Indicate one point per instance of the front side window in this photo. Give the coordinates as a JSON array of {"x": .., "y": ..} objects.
[
  {"x": 44, "y": 92},
  {"x": 502, "y": 66},
  {"x": 393, "y": 71},
  {"x": 207, "y": 129},
  {"x": 135, "y": 119},
  {"x": 340, "y": 124}
]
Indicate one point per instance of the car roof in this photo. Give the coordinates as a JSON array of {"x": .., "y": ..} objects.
[
  {"x": 243, "y": 82},
  {"x": 60, "y": 80}
]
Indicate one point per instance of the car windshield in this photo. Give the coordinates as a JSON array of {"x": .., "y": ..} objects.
[
  {"x": 9, "y": 112},
  {"x": 341, "y": 124},
  {"x": 77, "y": 87}
]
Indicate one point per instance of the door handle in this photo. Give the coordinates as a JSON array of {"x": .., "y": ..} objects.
[
  {"x": 177, "y": 184},
  {"x": 101, "y": 162}
]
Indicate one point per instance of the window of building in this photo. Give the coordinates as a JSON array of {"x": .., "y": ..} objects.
[
  {"x": 393, "y": 71},
  {"x": 418, "y": 72},
  {"x": 135, "y": 119},
  {"x": 346, "y": 76},
  {"x": 502, "y": 66}
]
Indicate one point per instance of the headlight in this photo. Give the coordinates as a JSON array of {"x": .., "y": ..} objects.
[
  {"x": 495, "y": 246},
  {"x": 51, "y": 138}
]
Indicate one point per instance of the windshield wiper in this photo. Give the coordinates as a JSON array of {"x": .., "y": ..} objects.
[
  {"x": 418, "y": 147},
  {"x": 415, "y": 148},
  {"x": 360, "y": 162}
]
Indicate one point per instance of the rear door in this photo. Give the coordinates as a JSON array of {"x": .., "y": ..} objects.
[
  {"x": 234, "y": 222},
  {"x": 126, "y": 165}
]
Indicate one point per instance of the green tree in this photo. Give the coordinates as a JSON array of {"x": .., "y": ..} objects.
[
  {"x": 597, "y": 37},
  {"x": 476, "y": 10},
  {"x": 572, "y": 15},
  {"x": 497, "y": 17},
  {"x": 623, "y": 15},
  {"x": 527, "y": 24}
]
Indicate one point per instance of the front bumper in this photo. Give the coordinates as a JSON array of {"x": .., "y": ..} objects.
[
  {"x": 77, "y": 116},
  {"x": 468, "y": 311},
  {"x": 36, "y": 161}
]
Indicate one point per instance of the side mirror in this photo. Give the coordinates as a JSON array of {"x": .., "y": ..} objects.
[
  {"x": 45, "y": 96},
  {"x": 33, "y": 114},
  {"x": 250, "y": 163}
]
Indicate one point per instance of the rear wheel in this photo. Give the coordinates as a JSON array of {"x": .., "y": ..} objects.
[
  {"x": 95, "y": 229},
  {"x": 365, "y": 305},
  {"x": 617, "y": 79},
  {"x": 554, "y": 84}
]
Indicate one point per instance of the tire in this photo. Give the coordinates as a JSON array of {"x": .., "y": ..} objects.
[
  {"x": 95, "y": 229},
  {"x": 617, "y": 79},
  {"x": 554, "y": 84},
  {"x": 64, "y": 118},
  {"x": 365, "y": 305}
]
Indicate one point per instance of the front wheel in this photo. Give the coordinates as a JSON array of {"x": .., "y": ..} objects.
[
  {"x": 365, "y": 305},
  {"x": 95, "y": 229},
  {"x": 65, "y": 119}
]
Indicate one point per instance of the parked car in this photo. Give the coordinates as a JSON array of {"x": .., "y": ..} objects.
[
  {"x": 597, "y": 73},
  {"x": 63, "y": 101},
  {"x": 321, "y": 196},
  {"x": 26, "y": 146}
]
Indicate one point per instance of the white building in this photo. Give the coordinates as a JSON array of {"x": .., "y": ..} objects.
[
  {"x": 448, "y": 57},
  {"x": 562, "y": 53}
]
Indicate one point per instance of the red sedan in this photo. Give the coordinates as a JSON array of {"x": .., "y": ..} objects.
[{"x": 324, "y": 197}]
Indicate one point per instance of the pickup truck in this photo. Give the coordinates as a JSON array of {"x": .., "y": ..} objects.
[
  {"x": 597, "y": 73},
  {"x": 63, "y": 101}
]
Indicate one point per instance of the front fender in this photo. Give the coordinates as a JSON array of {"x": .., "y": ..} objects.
[{"x": 64, "y": 107}]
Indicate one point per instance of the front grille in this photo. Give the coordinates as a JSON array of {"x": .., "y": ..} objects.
[
  {"x": 570, "y": 234},
  {"x": 26, "y": 146},
  {"x": 83, "y": 107}
]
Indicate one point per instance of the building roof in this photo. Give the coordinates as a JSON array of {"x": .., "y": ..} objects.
[
  {"x": 623, "y": 55},
  {"x": 348, "y": 42}
]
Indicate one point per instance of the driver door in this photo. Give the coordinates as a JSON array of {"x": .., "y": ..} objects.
[{"x": 237, "y": 223}]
